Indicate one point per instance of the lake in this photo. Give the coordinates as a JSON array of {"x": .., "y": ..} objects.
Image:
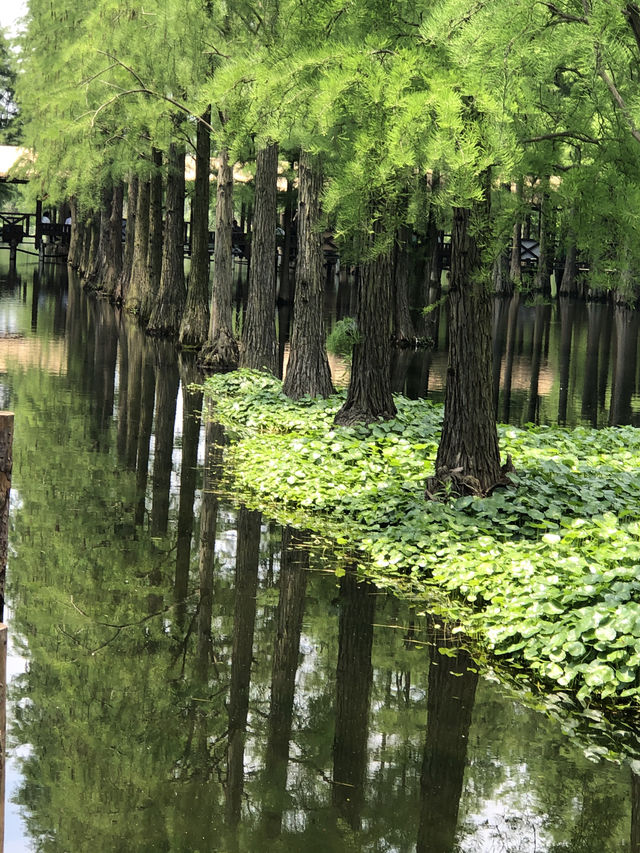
[{"x": 189, "y": 676}]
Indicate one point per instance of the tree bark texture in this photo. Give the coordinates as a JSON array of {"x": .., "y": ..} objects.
[
  {"x": 220, "y": 353},
  {"x": 194, "y": 325},
  {"x": 127, "y": 259},
  {"x": 469, "y": 439},
  {"x": 515, "y": 266},
  {"x": 308, "y": 372},
  {"x": 369, "y": 396},
  {"x": 169, "y": 301},
  {"x": 75, "y": 242},
  {"x": 91, "y": 239},
  {"x": 112, "y": 253},
  {"x": 149, "y": 295},
  {"x": 138, "y": 280},
  {"x": 95, "y": 273},
  {"x": 259, "y": 348},
  {"x": 403, "y": 329},
  {"x": 545, "y": 242}
]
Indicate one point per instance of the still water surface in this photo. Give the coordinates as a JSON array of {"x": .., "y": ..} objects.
[{"x": 189, "y": 676}]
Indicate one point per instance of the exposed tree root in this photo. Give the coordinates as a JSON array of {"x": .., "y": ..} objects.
[
  {"x": 221, "y": 356},
  {"x": 449, "y": 482}
]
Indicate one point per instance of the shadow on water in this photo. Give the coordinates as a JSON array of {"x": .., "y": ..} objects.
[{"x": 197, "y": 678}]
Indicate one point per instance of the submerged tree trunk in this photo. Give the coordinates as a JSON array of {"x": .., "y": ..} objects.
[
  {"x": 138, "y": 280},
  {"x": 308, "y": 372},
  {"x": 468, "y": 451},
  {"x": 169, "y": 302},
  {"x": 122, "y": 286},
  {"x": 259, "y": 348},
  {"x": 369, "y": 396},
  {"x": 194, "y": 325},
  {"x": 220, "y": 353}
]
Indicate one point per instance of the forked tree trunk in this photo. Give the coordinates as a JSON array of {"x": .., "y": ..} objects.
[
  {"x": 259, "y": 348},
  {"x": 308, "y": 372},
  {"x": 468, "y": 448},
  {"x": 369, "y": 396},
  {"x": 139, "y": 270},
  {"x": 195, "y": 320},
  {"x": 127, "y": 259},
  {"x": 169, "y": 302},
  {"x": 92, "y": 240},
  {"x": 220, "y": 352}
]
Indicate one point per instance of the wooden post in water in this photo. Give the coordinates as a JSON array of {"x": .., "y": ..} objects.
[
  {"x": 3, "y": 726},
  {"x": 6, "y": 465}
]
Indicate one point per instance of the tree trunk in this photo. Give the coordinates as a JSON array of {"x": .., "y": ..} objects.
[
  {"x": 285, "y": 290},
  {"x": 308, "y": 372},
  {"x": 73, "y": 257},
  {"x": 515, "y": 266},
  {"x": 112, "y": 255},
  {"x": 167, "y": 382},
  {"x": 259, "y": 349},
  {"x": 354, "y": 676},
  {"x": 546, "y": 242},
  {"x": 191, "y": 415},
  {"x": 569, "y": 284},
  {"x": 450, "y": 699},
  {"x": 469, "y": 440},
  {"x": 94, "y": 279},
  {"x": 294, "y": 571},
  {"x": 138, "y": 281},
  {"x": 149, "y": 295},
  {"x": 195, "y": 320},
  {"x": 169, "y": 302},
  {"x": 127, "y": 259},
  {"x": 220, "y": 353},
  {"x": 369, "y": 396},
  {"x": 403, "y": 329},
  {"x": 244, "y": 618},
  {"x": 213, "y": 456}
]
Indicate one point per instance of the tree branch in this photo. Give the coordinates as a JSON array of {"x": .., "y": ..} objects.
[
  {"x": 632, "y": 14},
  {"x": 617, "y": 97},
  {"x": 563, "y": 134},
  {"x": 144, "y": 91},
  {"x": 565, "y": 17}
]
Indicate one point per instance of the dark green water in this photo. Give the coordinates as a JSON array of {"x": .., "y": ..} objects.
[{"x": 188, "y": 676}]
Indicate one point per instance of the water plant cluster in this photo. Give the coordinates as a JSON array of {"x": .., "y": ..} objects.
[{"x": 546, "y": 573}]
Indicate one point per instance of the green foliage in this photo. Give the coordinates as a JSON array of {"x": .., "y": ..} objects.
[
  {"x": 546, "y": 572},
  {"x": 343, "y": 337}
]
